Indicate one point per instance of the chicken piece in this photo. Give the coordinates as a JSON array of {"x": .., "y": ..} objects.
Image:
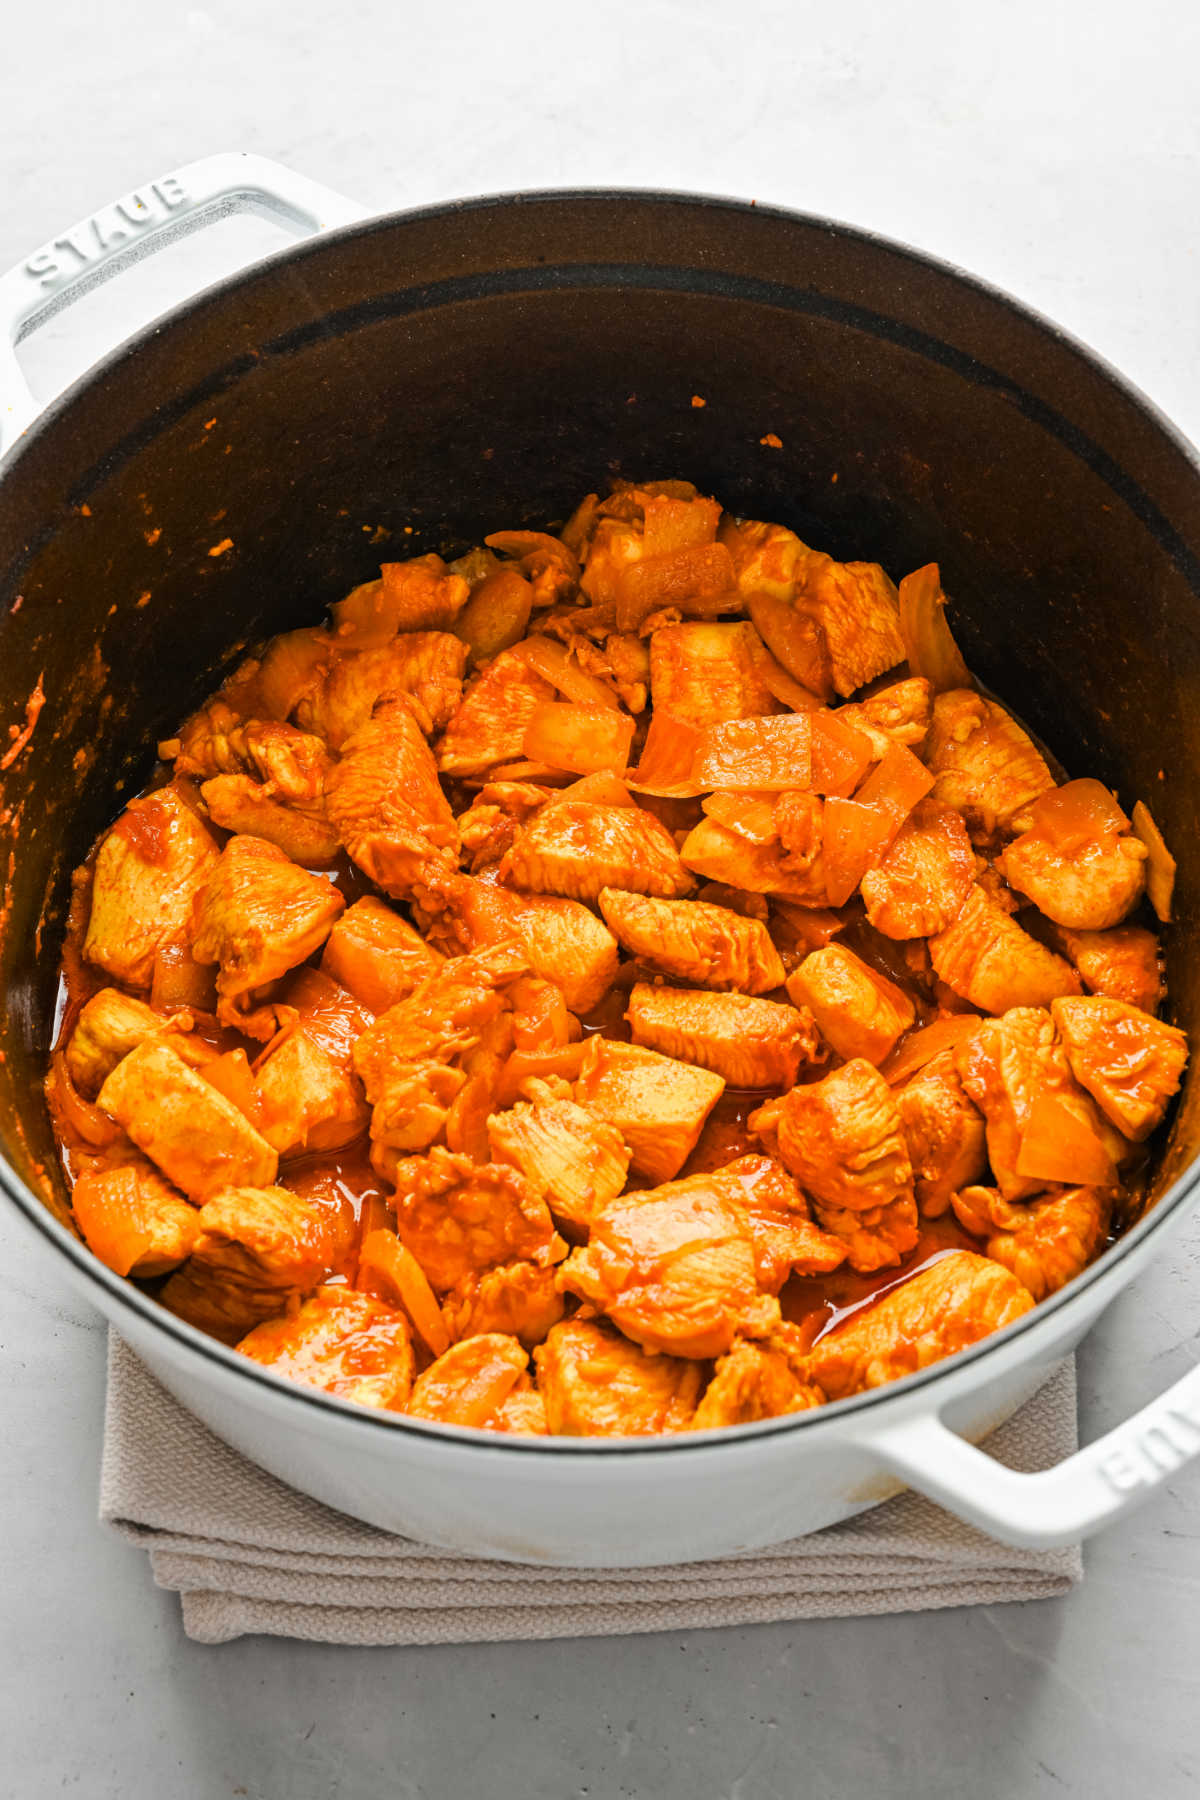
[
  {"x": 258, "y": 1246},
  {"x": 786, "y": 1241},
  {"x": 258, "y": 916},
  {"x": 377, "y": 955},
  {"x": 857, "y": 609},
  {"x": 936, "y": 1313},
  {"x": 149, "y": 869},
  {"x": 133, "y": 1220},
  {"x": 309, "y": 1098},
  {"x": 209, "y": 743},
  {"x": 342, "y": 1342},
  {"x": 494, "y": 818},
  {"x": 522, "y": 1414},
  {"x": 489, "y": 725},
  {"x": 269, "y": 782},
  {"x": 1131, "y": 1064},
  {"x": 919, "y": 885},
  {"x": 238, "y": 803},
  {"x": 577, "y": 849},
  {"x": 673, "y": 1268},
  {"x": 194, "y": 1134},
  {"x": 898, "y": 714},
  {"x": 417, "y": 595},
  {"x": 707, "y": 945},
  {"x": 459, "y": 1218},
  {"x": 109, "y": 1026},
  {"x": 750, "y": 1043},
  {"x": 424, "y": 666},
  {"x": 413, "y": 1059},
  {"x": 387, "y": 805},
  {"x": 470, "y": 1383},
  {"x": 705, "y": 673},
  {"x": 520, "y": 1299},
  {"x": 564, "y": 942},
  {"x": 576, "y": 1158},
  {"x": 1044, "y": 1242},
  {"x": 843, "y": 1140},
  {"x": 1091, "y": 888},
  {"x": 944, "y": 1132},
  {"x": 987, "y": 958},
  {"x": 1007, "y": 1067},
  {"x": 595, "y": 1383},
  {"x": 757, "y": 1380},
  {"x": 1124, "y": 963},
  {"x": 291, "y": 671},
  {"x": 658, "y": 1105},
  {"x": 718, "y": 854},
  {"x": 856, "y": 1009},
  {"x": 987, "y": 768}
]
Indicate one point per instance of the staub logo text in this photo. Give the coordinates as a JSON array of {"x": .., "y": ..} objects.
[{"x": 106, "y": 232}]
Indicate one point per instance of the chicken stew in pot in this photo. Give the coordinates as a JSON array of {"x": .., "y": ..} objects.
[{"x": 620, "y": 981}]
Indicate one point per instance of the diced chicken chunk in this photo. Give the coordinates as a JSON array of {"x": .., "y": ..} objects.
[
  {"x": 258, "y": 916},
  {"x": 424, "y": 666},
  {"x": 987, "y": 768},
  {"x": 489, "y": 726},
  {"x": 757, "y": 1380},
  {"x": 577, "y": 849},
  {"x": 342, "y": 1342},
  {"x": 673, "y": 1268},
  {"x": 856, "y": 1009},
  {"x": 595, "y": 1383},
  {"x": 522, "y": 1414},
  {"x": 1091, "y": 887},
  {"x": 705, "y": 673},
  {"x": 377, "y": 954},
  {"x": 133, "y": 1220},
  {"x": 786, "y": 1242},
  {"x": 576, "y": 1158},
  {"x": 470, "y": 1383},
  {"x": 750, "y": 1043},
  {"x": 987, "y": 958},
  {"x": 417, "y": 595},
  {"x": 944, "y": 1132},
  {"x": 310, "y": 1099},
  {"x": 1009, "y": 1067},
  {"x": 1044, "y": 1242},
  {"x": 459, "y": 1218},
  {"x": 857, "y": 609},
  {"x": 708, "y": 945},
  {"x": 387, "y": 805},
  {"x": 657, "y": 1104},
  {"x": 843, "y": 1140},
  {"x": 491, "y": 823},
  {"x": 898, "y": 714},
  {"x": 1131, "y": 1064},
  {"x": 1124, "y": 963},
  {"x": 417, "y": 1056},
  {"x": 149, "y": 869},
  {"x": 292, "y": 669},
  {"x": 257, "y": 1246},
  {"x": 518, "y": 1298},
  {"x": 563, "y": 940},
  {"x": 109, "y": 1026},
  {"x": 935, "y": 1314},
  {"x": 718, "y": 854},
  {"x": 194, "y": 1134},
  {"x": 918, "y": 886}
]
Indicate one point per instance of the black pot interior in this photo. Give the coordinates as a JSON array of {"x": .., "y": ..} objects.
[{"x": 414, "y": 384}]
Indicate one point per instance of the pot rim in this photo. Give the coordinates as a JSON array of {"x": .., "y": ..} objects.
[{"x": 124, "y": 1296}]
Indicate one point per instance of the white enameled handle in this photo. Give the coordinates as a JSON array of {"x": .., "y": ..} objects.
[
  {"x": 1056, "y": 1506},
  {"x": 155, "y": 214}
]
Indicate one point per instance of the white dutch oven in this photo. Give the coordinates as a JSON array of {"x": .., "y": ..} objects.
[{"x": 450, "y": 369}]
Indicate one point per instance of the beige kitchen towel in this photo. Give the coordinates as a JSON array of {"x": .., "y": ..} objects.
[{"x": 248, "y": 1554}]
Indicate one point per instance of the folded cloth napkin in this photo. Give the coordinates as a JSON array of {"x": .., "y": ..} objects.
[{"x": 248, "y": 1554}]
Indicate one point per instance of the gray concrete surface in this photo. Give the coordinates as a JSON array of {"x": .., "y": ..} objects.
[{"x": 1053, "y": 149}]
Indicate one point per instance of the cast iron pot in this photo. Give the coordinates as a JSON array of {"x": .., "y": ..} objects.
[{"x": 224, "y": 475}]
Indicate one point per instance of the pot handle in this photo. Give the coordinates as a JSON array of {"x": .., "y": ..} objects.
[
  {"x": 1095, "y": 1486},
  {"x": 155, "y": 214}
]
